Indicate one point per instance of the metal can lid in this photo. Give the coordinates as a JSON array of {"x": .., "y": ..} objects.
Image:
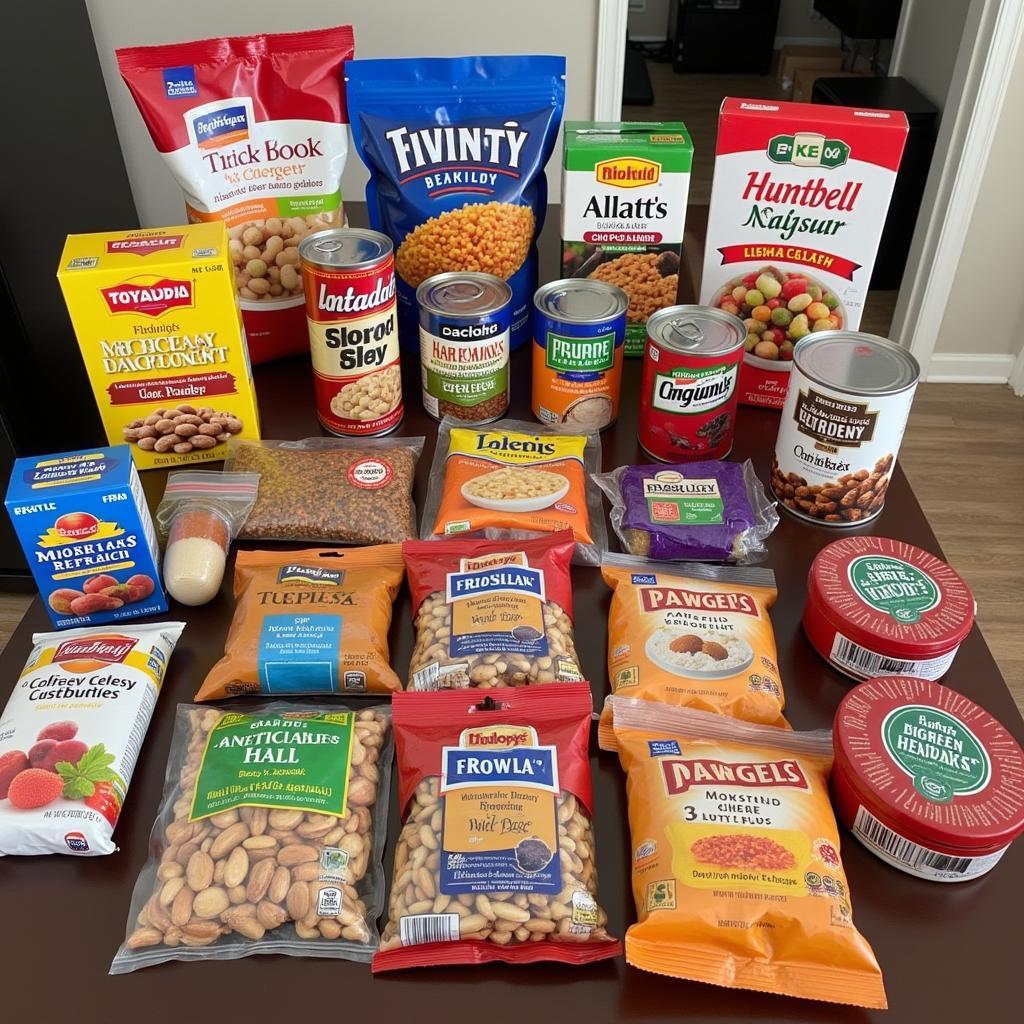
[
  {"x": 580, "y": 300},
  {"x": 702, "y": 330},
  {"x": 856, "y": 363},
  {"x": 344, "y": 247},
  {"x": 463, "y": 293}
]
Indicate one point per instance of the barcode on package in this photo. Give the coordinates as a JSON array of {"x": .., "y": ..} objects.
[
  {"x": 891, "y": 846},
  {"x": 419, "y": 929},
  {"x": 862, "y": 662}
]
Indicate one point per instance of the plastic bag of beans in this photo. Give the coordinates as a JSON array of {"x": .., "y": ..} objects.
[
  {"x": 732, "y": 830},
  {"x": 491, "y": 613},
  {"x": 309, "y": 622},
  {"x": 330, "y": 490},
  {"x": 269, "y": 837},
  {"x": 464, "y": 892},
  {"x": 515, "y": 480}
]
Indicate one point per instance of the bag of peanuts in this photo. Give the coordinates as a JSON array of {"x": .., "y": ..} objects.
[
  {"x": 732, "y": 830},
  {"x": 516, "y": 480},
  {"x": 255, "y": 132},
  {"x": 496, "y": 858},
  {"x": 269, "y": 837},
  {"x": 330, "y": 490},
  {"x": 692, "y": 635},
  {"x": 491, "y": 613},
  {"x": 456, "y": 149},
  {"x": 309, "y": 622}
]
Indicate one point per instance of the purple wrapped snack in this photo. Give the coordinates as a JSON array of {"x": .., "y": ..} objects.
[{"x": 695, "y": 511}]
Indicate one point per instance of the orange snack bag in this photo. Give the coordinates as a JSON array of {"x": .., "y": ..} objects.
[
  {"x": 309, "y": 622},
  {"x": 516, "y": 480},
  {"x": 735, "y": 849},
  {"x": 692, "y": 635}
]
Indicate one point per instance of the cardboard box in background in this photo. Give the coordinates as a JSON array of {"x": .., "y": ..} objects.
[
  {"x": 804, "y": 79},
  {"x": 792, "y": 58}
]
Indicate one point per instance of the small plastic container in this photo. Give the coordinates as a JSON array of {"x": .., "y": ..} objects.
[
  {"x": 877, "y": 606},
  {"x": 200, "y": 515},
  {"x": 926, "y": 779}
]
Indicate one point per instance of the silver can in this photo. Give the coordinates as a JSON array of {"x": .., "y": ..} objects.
[{"x": 842, "y": 424}]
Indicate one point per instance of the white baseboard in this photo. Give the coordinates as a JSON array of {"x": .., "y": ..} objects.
[
  {"x": 831, "y": 40},
  {"x": 969, "y": 368}
]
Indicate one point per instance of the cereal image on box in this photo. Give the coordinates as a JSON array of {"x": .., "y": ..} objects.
[{"x": 456, "y": 148}]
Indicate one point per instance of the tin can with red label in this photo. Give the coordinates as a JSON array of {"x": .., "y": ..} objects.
[
  {"x": 688, "y": 387},
  {"x": 348, "y": 275}
]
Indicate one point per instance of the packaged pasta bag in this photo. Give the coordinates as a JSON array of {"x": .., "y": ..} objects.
[
  {"x": 269, "y": 837},
  {"x": 692, "y": 635},
  {"x": 456, "y": 149},
  {"x": 309, "y": 622},
  {"x": 491, "y": 613},
  {"x": 513, "y": 479},
  {"x": 464, "y": 891},
  {"x": 735, "y": 851}
]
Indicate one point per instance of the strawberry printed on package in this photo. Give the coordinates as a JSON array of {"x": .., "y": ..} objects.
[{"x": 798, "y": 204}]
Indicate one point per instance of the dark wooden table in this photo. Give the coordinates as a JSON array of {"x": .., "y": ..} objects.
[{"x": 948, "y": 952}]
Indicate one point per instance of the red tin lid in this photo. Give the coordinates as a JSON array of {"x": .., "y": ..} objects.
[
  {"x": 891, "y": 597},
  {"x": 930, "y": 764}
]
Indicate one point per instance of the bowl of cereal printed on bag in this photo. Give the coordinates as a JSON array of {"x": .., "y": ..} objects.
[
  {"x": 778, "y": 309},
  {"x": 699, "y": 656},
  {"x": 516, "y": 490}
]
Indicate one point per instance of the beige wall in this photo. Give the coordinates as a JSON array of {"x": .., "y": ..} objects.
[
  {"x": 988, "y": 280},
  {"x": 383, "y": 28},
  {"x": 799, "y": 22},
  {"x": 932, "y": 30}
]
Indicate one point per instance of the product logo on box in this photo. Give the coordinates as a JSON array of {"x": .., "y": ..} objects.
[
  {"x": 627, "y": 172},
  {"x": 149, "y": 295},
  {"x": 145, "y": 245},
  {"x": 76, "y": 525},
  {"x": 222, "y": 127},
  {"x": 180, "y": 83},
  {"x": 111, "y": 649},
  {"x": 808, "y": 149},
  {"x": 680, "y": 774},
  {"x": 77, "y": 843},
  {"x": 310, "y": 574},
  {"x": 499, "y": 736}
]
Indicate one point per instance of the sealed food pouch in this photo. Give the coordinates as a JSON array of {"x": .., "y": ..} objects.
[
  {"x": 71, "y": 732},
  {"x": 456, "y": 149},
  {"x": 492, "y": 613},
  {"x": 464, "y": 891},
  {"x": 735, "y": 851},
  {"x": 309, "y": 622},
  {"x": 692, "y": 635},
  {"x": 515, "y": 480},
  {"x": 199, "y": 516},
  {"x": 254, "y": 130},
  {"x": 269, "y": 836}
]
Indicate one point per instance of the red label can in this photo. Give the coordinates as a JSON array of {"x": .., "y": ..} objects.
[
  {"x": 688, "y": 388},
  {"x": 348, "y": 276}
]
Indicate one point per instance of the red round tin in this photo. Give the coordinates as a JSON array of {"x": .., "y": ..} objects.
[
  {"x": 877, "y": 606},
  {"x": 926, "y": 779}
]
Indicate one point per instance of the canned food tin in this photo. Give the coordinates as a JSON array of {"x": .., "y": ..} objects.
[
  {"x": 465, "y": 319},
  {"x": 842, "y": 423},
  {"x": 348, "y": 275},
  {"x": 579, "y": 327},
  {"x": 688, "y": 385}
]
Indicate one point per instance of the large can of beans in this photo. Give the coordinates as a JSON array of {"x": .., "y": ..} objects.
[
  {"x": 688, "y": 385},
  {"x": 465, "y": 320},
  {"x": 842, "y": 423},
  {"x": 579, "y": 329},
  {"x": 348, "y": 276}
]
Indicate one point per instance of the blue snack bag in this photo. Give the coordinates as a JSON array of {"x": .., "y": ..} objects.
[{"x": 456, "y": 148}]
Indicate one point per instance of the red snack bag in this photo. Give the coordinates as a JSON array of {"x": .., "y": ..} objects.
[
  {"x": 462, "y": 893},
  {"x": 255, "y": 131}
]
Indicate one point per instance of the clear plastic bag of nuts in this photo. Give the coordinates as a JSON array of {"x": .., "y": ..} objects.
[
  {"x": 245, "y": 861},
  {"x": 463, "y": 892}
]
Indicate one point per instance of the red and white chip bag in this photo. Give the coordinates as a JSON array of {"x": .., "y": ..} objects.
[
  {"x": 465, "y": 892},
  {"x": 255, "y": 131}
]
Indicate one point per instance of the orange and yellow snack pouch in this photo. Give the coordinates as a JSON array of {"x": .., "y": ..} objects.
[
  {"x": 309, "y": 622},
  {"x": 692, "y": 635},
  {"x": 735, "y": 850}
]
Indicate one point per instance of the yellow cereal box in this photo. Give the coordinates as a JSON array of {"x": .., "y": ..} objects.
[{"x": 157, "y": 319}]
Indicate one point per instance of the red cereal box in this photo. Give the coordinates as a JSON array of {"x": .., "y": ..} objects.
[{"x": 798, "y": 204}]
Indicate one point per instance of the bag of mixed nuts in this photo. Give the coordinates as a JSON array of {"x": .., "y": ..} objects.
[
  {"x": 330, "y": 490},
  {"x": 309, "y": 622},
  {"x": 492, "y": 613},
  {"x": 463, "y": 892},
  {"x": 269, "y": 837}
]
